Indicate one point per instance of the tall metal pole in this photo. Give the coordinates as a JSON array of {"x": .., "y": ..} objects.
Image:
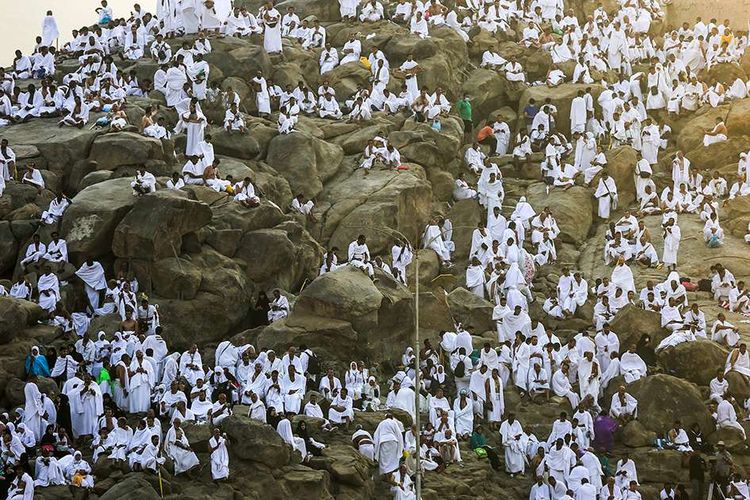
[
  {"x": 419, "y": 378},
  {"x": 417, "y": 418}
]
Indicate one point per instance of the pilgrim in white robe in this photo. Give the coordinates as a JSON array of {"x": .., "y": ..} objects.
[
  {"x": 219, "y": 457},
  {"x": 177, "y": 447},
  {"x": 738, "y": 361},
  {"x": 514, "y": 444},
  {"x": 726, "y": 416},
  {"x": 672, "y": 237},
  {"x": 389, "y": 445},
  {"x": 86, "y": 401},
  {"x": 33, "y": 410},
  {"x": 92, "y": 274},
  {"x": 48, "y": 472},
  {"x": 627, "y": 406},
  {"x": 142, "y": 381},
  {"x": 606, "y": 194}
]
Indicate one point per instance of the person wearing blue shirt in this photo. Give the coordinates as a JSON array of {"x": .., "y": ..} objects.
[{"x": 36, "y": 364}]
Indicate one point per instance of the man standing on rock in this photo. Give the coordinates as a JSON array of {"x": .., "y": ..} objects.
[
  {"x": 578, "y": 113},
  {"x": 672, "y": 237},
  {"x": 389, "y": 444},
  {"x": 465, "y": 112}
]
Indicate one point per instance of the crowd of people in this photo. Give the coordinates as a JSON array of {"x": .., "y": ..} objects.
[{"x": 107, "y": 378}]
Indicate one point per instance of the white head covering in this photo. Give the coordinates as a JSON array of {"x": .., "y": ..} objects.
[
  {"x": 514, "y": 277},
  {"x": 523, "y": 210},
  {"x": 284, "y": 428}
]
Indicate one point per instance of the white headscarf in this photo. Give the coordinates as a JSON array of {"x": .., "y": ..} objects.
[
  {"x": 523, "y": 210},
  {"x": 284, "y": 428},
  {"x": 514, "y": 277}
]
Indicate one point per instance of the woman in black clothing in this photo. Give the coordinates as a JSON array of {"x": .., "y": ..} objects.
[
  {"x": 645, "y": 350},
  {"x": 49, "y": 439},
  {"x": 63, "y": 413},
  {"x": 439, "y": 380},
  {"x": 313, "y": 447},
  {"x": 51, "y": 356},
  {"x": 697, "y": 441},
  {"x": 272, "y": 418},
  {"x": 259, "y": 314}
]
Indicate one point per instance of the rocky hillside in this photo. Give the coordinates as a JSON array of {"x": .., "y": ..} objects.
[{"x": 203, "y": 258}]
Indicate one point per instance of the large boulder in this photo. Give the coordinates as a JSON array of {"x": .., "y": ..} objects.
[
  {"x": 347, "y": 294},
  {"x": 383, "y": 200},
  {"x": 239, "y": 220},
  {"x": 739, "y": 117},
  {"x": 59, "y": 147},
  {"x": 486, "y": 88},
  {"x": 89, "y": 224},
  {"x": 634, "y": 435},
  {"x": 419, "y": 143},
  {"x": 8, "y": 247},
  {"x": 346, "y": 78},
  {"x": 434, "y": 312},
  {"x": 737, "y": 216},
  {"x": 219, "y": 306},
  {"x": 281, "y": 257},
  {"x": 14, "y": 390},
  {"x": 694, "y": 361},
  {"x": 198, "y": 435},
  {"x": 125, "y": 148},
  {"x": 17, "y": 195},
  {"x": 208, "y": 317},
  {"x": 573, "y": 209},
  {"x": 739, "y": 385},
  {"x": 465, "y": 215},
  {"x": 131, "y": 487},
  {"x": 691, "y": 134},
  {"x": 474, "y": 312},
  {"x": 305, "y": 161},
  {"x": 631, "y": 322},
  {"x": 303, "y": 482},
  {"x": 244, "y": 146},
  {"x": 659, "y": 466},
  {"x": 733, "y": 439},
  {"x": 662, "y": 399},
  {"x": 333, "y": 340},
  {"x": 175, "y": 278},
  {"x": 720, "y": 154},
  {"x": 347, "y": 316},
  {"x": 255, "y": 441},
  {"x": 154, "y": 228},
  {"x": 347, "y": 465},
  {"x": 621, "y": 165},
  {"x": 17, "y": 314},
  {"x": 725, "y": 72},
  {"x": 355, "y": 141},
  {"x": 239, "y": 58}
]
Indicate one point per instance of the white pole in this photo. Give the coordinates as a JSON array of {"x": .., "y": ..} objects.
[{"x": 419, "y": 377}]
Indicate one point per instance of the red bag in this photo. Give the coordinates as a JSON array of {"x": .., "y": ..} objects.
[{"x": 690, "y": 287}]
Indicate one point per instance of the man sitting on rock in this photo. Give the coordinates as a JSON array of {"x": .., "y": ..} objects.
[
  {"x": 359, "y": 256},
  {"x": 279, "y": 307},
  {"x": 624, "y": 407},
  {"x": 34, "y": 252}
]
